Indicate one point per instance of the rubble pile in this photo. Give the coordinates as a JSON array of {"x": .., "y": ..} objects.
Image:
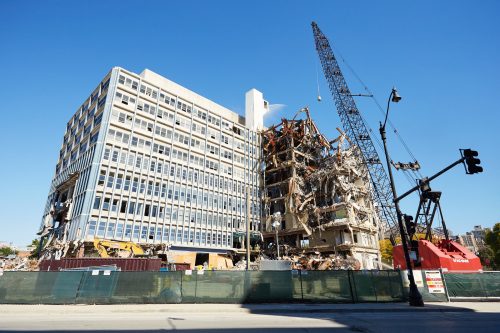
[{"x": 318, "y": 195}]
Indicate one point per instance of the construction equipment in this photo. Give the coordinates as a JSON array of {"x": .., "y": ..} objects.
[
  {"x": 355, "y": 128},
  {"x": 120, "y": 249},
  {"x": 446, "y": 253}
]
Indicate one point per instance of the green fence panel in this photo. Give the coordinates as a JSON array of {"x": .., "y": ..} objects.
[
  {"x": 363, "y": 287},
  {"x": 387, "y": 286},
  {"x": 58, "y": 287},
  {"x": 326, "y": 286},
  {"x": 269, "y": 286},
  {"x": 464, "y": 285},
  {"x": 147, "y": 287},
  {"x": 97, "y": 286},
  {"x": 491, "y": 283},
  {"x": 486, "y": 284},
  {"x": 219, "y": 286},
  {"x": 19, "y": 288}
]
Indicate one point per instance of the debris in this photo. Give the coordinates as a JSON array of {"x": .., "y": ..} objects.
[{"x": 323, "y": 195}]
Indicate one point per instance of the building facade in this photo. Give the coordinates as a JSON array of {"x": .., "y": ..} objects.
[{"x": 147, "y": 160}]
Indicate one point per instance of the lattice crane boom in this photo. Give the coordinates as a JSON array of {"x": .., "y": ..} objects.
[{"x": 355, "y": 128}]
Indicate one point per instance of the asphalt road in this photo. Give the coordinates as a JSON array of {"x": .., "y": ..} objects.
[{"x": 460, "y": 317}]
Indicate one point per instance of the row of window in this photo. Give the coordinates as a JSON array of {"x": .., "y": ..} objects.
[
  {"x": 167, "y": 213},
  {"x": 72, "y": 146},
  {"x": 181, "y": 106},
  {"x": 172, "y": 191},
  {"x": 193, "y": 158},
  {"x": 81, "y": 115},
  {"x": 170, "y": 234},
  {"x": 164, "y": 169}
]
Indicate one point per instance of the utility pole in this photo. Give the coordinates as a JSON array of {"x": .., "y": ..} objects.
[
  {"x": 415, "y": 299},
  {"x": 248, "y": 227}
]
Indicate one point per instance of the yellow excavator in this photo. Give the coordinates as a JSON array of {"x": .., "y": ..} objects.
[{"x": 119, "y": 247}]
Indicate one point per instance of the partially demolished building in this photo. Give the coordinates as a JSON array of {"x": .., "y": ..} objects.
[
  {"x": 148, "y": 165},
  {"x": 317, "y": 196}
]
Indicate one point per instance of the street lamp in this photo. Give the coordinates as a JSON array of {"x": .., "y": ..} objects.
[{"x": 415, "y": 299}]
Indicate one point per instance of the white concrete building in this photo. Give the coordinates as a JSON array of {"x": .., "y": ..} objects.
[{"x": 147, "y": 160}]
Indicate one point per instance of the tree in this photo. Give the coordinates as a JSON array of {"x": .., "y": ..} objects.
[
  {"x": 487, "y": 257},
  {"x": 386, "y": 250},
  {"x": 493, "y": 241},
  {"x": 35, "y": 243},
  {"x": 5, "y": 251}
]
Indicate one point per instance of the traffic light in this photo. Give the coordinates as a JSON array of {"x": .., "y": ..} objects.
[
  {"x": 471, "y": 162},
  {"x": 411, "y": 227}
]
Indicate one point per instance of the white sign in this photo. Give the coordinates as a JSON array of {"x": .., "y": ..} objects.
[
  {"x": 417, "y": 276},
  {"x": 434, "y": 282},
  {"x": 107, "y": 272},
  {"x": 95, "y": 272},
  {"x": 201, "y": 271},
  {"x": 188, "y": 272}
]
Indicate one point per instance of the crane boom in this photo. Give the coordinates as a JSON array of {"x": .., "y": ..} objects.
[{"x": 355, "y": 127}]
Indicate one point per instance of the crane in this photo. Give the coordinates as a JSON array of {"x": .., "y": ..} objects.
[{"x": 356, "y": 129}]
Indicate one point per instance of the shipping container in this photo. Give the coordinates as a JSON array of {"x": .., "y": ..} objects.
[{"x": 124, "y": 264}]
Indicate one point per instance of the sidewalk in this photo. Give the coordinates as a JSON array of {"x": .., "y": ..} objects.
[{"x": 492, "y": 307}]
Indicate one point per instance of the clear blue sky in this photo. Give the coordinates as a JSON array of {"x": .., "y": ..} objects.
[{"x": 443, "y": 56}]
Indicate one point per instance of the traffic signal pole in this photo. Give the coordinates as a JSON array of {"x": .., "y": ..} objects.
[
  {"x": 471, "y": 167},
  {"x": 426, "y": 180},
  {"x": 414, "y": 296}
]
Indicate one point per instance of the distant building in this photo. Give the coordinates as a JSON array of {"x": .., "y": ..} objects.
[
  {"x": 469, "y": 241},
  {"x": 479, "y": 233}
]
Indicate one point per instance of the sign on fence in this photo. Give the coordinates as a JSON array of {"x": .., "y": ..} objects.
[
  {"x": 434, "y": 282},
  {"x": 417, "y": 276}
]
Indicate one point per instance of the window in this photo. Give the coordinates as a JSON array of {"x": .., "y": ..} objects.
[
  {"x": 111, "y": 179},
  {"x": 114, "y": 205},
  {"x": 131, "y": 207},
  {"x": 110, "y": 230},
  {"x": 102, "y": 178},
  {"x": 105, "y": 204},
  {"x": 123, "y": 207},
  {"x": 126, "y": 186},
  {"x": 128, "y": 231},
  {"x": 119, "y": 230},
  {"x": 106, "y": 153},
  {"x": 97, "y": 202},
  {"x": 119, "y": 181},
  {"x": 101, "y": 229},
  {"x": 91, "y": 228}
]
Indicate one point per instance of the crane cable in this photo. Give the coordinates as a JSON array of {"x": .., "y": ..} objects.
[{"x": 416, "y": 173}]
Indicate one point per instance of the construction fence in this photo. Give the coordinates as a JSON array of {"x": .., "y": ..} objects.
[
  {"x": 115, "y": 287},
  {"x": 120, "y": 287}
]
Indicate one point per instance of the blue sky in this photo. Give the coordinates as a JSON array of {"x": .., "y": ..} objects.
[{"x": 441, "y": 55}]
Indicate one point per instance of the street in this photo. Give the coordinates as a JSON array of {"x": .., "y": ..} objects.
[{"x": 442, "y": 317}]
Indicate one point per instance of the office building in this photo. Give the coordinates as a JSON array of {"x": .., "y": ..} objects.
[{"x": 146, "y": 160}]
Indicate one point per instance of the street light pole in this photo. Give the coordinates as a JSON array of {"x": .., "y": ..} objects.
[{"x": 415, "y": 299}]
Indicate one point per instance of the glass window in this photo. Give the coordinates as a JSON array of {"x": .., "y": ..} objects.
[
  {"x": 91, "y": 228},
  {"x": 105, "y": 204},
  {"x": 97, "y": 202},
  {"x": 101, "y": 229},
  {"x": 110, "y": 230}
]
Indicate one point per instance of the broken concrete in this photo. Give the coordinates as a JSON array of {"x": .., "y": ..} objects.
[{"x": 318, "y": 196}]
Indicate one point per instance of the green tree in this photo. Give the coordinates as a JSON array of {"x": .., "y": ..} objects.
[
  {"x": 5, "y": 251},
  {"x": 487, "y": 257},
  {"x": 493, "y": 241},
  {"x": 35, "y": 243}
]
